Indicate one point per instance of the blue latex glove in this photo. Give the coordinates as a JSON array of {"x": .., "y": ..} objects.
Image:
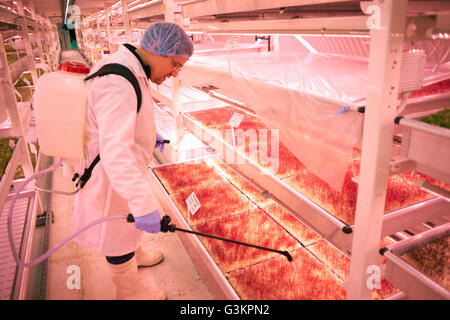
[
  {"x": 149, "y": 223},
  {"x": 159, "y": 142}
]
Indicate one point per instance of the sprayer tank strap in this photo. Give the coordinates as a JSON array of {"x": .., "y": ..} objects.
[{"x": 121, "y": 70}]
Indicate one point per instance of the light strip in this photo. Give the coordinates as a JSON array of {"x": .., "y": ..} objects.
[
  {"x": 67, "y": 7},
  {"x": 142, "y": 5},
  {"x": 116, "y": 4},
  {"x": 130, "y": 4},
  {"x": 305, "y": 43},
  {"x": 264, "y": 33},
  {"x": 440, "y": 35}
]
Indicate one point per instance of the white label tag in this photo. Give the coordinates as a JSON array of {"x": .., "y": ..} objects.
[
  {"x": 12, "y": 143},
  {"x": 192, "y": 203},
  {"x": 236, "y": 119}
]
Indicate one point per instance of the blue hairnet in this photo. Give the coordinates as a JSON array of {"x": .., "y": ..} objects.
[{"x": 167, "y": 39}]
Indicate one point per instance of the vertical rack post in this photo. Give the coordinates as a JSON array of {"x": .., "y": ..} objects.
[
  {"x": 108, "y": 25},
  {"x": 126, "y": 20},
  {"x": 168, "y": 8},
  {"x": 48, "y": 42},
  {"x": 98, "y": 40},
  {"x": 176, "y": 100},
  {"x": 37, "y": 31},
  {"x": 6, "y": 85},
  {"x": 85, "y": 36},
  {"x": 276, "y": 43},
  {"x": 382, "y": 91},
  {"x": 53, "y": 45},
  {"x": 27, "y": 41},
  {"x": 169, "y": 16}
]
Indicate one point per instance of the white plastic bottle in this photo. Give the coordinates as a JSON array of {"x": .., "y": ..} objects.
[{"x": 60, "y": 103}]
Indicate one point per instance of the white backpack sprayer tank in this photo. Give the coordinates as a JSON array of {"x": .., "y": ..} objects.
[{"x": 60, "y": 103}]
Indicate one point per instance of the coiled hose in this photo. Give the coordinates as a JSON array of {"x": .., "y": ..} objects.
[{"x": 63, "y": 242}]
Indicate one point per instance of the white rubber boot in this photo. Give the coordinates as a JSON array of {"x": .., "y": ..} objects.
[
  {"x": 148, "y": 258},
  {"x": 128, "y": 285}
]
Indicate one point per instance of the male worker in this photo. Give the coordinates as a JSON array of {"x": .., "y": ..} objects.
[{"x": 125, "y": 138}]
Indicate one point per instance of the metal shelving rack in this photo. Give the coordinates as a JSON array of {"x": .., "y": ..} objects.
[
  {"x": 371, "y": 224},
  {"x": 21, "y": 20},
  {"x": 386, "y": 44},
  {"x": 413, "y": 282},
  {"x": 131, "y": 18},
  {"x": 377, "y": 137}
]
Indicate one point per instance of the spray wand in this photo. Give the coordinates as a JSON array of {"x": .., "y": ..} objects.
[{"x": 166, "y": 227}]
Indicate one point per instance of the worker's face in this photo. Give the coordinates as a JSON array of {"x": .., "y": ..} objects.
[{"x": 166, "y": 68}]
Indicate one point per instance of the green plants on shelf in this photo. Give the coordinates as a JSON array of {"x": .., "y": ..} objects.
[
  {"x": 7, "y": 145},
  {"x": 440, "y": 118},
  {"x": 13, "y": 57},
  {"x": 26, "y": 77}
]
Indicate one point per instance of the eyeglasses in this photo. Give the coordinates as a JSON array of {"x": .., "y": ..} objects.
[{"x": 176, "y": 67}]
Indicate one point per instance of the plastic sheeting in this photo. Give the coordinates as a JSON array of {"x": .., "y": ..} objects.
[
  {"x": 190, "y": 99},
  {"x": 219, "y": 47},
  {"x": 303, "y": 95},
  {"x": 299, "y": 95}
]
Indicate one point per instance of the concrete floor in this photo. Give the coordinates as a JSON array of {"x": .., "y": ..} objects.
[{"x": 177, "y": 275}]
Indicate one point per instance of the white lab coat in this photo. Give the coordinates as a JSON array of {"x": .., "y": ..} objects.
[{"x": 125, "y": 140}]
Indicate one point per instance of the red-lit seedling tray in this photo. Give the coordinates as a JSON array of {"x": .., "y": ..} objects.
[{"x": 253, "y": 227}]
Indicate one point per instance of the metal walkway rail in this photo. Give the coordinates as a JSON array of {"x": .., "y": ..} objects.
[{"x": 8, "y": 266}]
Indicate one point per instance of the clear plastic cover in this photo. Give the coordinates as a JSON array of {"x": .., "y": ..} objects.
[{"x": 306, "y": 96}]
